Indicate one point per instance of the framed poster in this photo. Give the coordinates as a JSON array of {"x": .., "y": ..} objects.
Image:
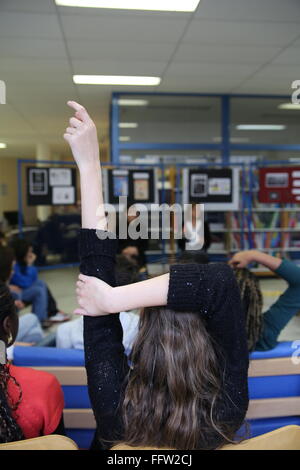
[
  {"x": 279, "y": 185},
  {"x": 60, "y": 176},
  {"x": 120, "y": 183},
  {"x": 38, "y": 182},
  {"x": 51, "y": 186},
  {"x": 218, "y": 189},
  {"x": 63, "y": 195},
  {"x": 139, "y": 186},
  {"x": 199, "y": 185}
]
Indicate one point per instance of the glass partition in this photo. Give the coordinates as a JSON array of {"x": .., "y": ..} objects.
[
  {"x": 157, "y": 118},
  {"x": 264, "y": 121}
]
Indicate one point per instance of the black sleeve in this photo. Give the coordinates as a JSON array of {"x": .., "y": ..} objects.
[
  {"x": 105, "y": 361},
  {"x": 212, "y": 291}
]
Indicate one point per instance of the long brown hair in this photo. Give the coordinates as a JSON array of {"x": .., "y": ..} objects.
[{"x": 174, "y": 384}]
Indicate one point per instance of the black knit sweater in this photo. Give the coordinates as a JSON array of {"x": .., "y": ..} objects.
[{"x": 208, "y": 289}]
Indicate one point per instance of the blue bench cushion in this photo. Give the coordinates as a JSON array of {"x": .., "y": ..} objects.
[
  {"x": 283, "y": 349},
  {"x": 264, "y": 425},
  {"x": 34, "y": 356},
  {"x": 276, "y": 386}
]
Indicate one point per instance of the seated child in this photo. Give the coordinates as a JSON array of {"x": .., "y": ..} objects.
[
  {"x": 29, "y": 288},
  {"x": 31, "y": 401},
  {"x": 264, "y": 329},
  {"x": 30, "y": 330},
  {"x": 70, "y": 335}
]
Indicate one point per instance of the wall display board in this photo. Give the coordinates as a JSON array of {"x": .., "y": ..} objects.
[
  {"x": 139, "y": 186},
  {"x": 279, "y": 184},
  {"x": 218, "y": 189},
  {"x": 51, "y": 186}
]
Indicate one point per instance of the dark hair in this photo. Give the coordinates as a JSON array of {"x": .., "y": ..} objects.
[
  {"x": 9, "y": 429},
  {"x": 192, "y": 256},
  {"x": 174, "y": 385},
  {"x": 252, "y": 301},
  {"x": 7, "y": 257},
  {"x": 20, "y": 247},
  {"x": 127, "y": 270}
]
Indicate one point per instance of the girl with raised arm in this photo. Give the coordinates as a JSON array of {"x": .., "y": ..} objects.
[
  {"x": 263, "y": 329},
  {"x": 187, "y": 383}
]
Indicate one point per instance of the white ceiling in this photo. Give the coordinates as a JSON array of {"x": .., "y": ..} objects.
[{"x": 226, "y": 46}]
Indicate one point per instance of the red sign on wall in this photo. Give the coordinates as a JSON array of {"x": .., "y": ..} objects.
[{"x": 279, "y": 184}]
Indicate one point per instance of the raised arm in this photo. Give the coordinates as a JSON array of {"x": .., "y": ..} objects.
[
  {"x": 212, "y": 291},
  {"x": 244, "y": 258},
  {"x": 82, "y": 138},
  {"x": 286, "y": 306},
  {"x": 98, "y": 298},
  {"x": 105, "y": 360}
]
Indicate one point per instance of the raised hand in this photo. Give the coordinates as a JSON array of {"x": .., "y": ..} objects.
[
  {"x": 242, "y": 259},
  {"x": 81, "y": 135}
]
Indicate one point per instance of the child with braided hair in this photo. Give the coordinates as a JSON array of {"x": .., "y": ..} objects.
[
  {"x": 31, "y": 401},
  {"x": 263, "y": 330},
  {"x": 252, "y": 300},
  {"x": 9, "y": 428}
]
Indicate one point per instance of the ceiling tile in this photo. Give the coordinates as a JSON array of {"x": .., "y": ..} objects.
[
  {"x": 11, "y": 122},
  {"x": 241, "y": 33},
  {"x": 122, "y": 28},
  {"x": 204, "y": 69},
  {"x": 233, "y": 54},
  {"x": 253, "y": 10},
  {"x": 30, "y": 47},
  {"x": 34, "y": 6},
  {"x": 258, "y": 84},
  {"x": 205, "y": 84},
  {"x": 119, "y": 50},
  {"x": 29, "y": 25},
  {"x": 118, "y": 67},
  {"x": 273, "y": 72},
  {"x": 290, "y": 56}
]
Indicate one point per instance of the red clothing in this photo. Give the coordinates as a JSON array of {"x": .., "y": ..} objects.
[{"x": 41, "y": 407}]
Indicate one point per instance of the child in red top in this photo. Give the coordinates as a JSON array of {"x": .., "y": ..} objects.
[
  {"x": 39, "y": 414},
  {"x": 31, "y": 401}
]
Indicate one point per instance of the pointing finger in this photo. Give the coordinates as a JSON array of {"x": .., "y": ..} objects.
[{"x": 81, "y": 112}]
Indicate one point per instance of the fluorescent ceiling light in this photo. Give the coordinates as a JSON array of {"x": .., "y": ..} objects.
[
  {"x": 156, "y": 5},
  {"x": 123, "y": 102},
  {"x": 2, "y": 145},
  {"x": 293, "y": 106},
  {"x": 260, "y": 127},
  {"x": 115, "y": 80},
  {"x": 124, "y": 138},
  {"x": 128, "y": 125}
]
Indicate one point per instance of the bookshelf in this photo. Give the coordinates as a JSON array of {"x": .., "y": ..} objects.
[{"x": 272, "y": 228}]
